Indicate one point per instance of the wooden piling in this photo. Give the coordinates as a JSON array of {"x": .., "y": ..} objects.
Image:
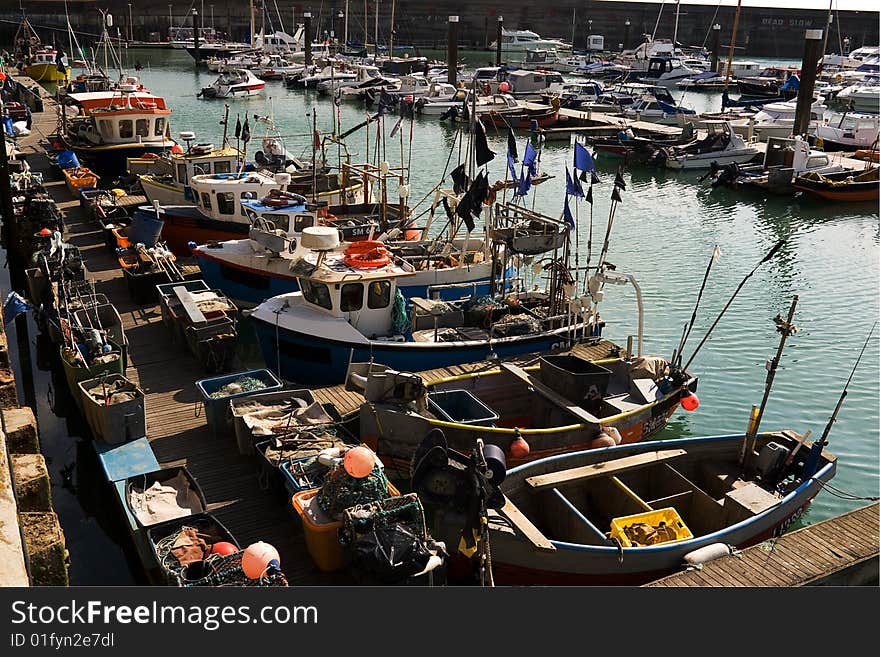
[
  {"x": 812, "y": 54},
  {"x": 307, "y": 20},
  {"x": 498, "y": 38},
  {"x": 196, "y": 26},
  {"x": 452, "y": 51}
]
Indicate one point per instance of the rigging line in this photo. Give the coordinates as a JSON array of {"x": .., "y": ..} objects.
[{"x": 711, "y": 23}]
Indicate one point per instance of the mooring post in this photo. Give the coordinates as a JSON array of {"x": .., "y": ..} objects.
[
  {"x": 196, "y": 24},
  {"x": 625, "y": 35},
  {"x": 716, "y": 45},
  {"x": 452, "y": 51},
  {"x": 812, "y": 53},
  {"x": 307, "y": 20},
  {"x": 498, "y": 37}
]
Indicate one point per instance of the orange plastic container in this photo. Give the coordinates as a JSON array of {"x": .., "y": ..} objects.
[{"x": 321, "y": 532}]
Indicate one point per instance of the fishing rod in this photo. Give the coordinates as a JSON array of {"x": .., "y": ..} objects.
[
  {"x": 766, "y": 258},
  {"x": 812, "y": 464},
  {"x": 716, "y": 253},
  {"x": 786, "y": 328}
]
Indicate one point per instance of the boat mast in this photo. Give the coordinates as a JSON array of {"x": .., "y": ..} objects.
[
  {"x": 732, "y": 44},
  {"x": 252, "y": 22},
  {"x": 345, "y": 33},
  {"x": 657, "y": 24},
  {"x": 391, "y": 38},
  {"x": 675, "y": 32},
  {"x": 366, "y": 30},
  {"x": 376, "y": 30},
  {"x": 827, "y": 30}
]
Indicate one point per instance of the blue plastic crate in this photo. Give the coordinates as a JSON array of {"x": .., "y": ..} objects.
[
  {"x": 295, "y": 484},
  {"x": 217, "y": 411}
]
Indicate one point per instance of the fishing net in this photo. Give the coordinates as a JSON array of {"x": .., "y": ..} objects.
[
  {"x": 241, "y": 384},
  {"x": 226, "y": 571},
  {"x": 341, "y": 491},
  {"x": 399, "y": 317}
]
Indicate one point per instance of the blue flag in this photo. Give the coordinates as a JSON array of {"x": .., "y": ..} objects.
[
  {"x": 566, "y": 214},
  {"x": 573, "y": 185},
  {"x": 583, "y": 161},
  {"x": 14, "y": 305},
  {"x": 511, "y": 168},
  {"x": 529, "y": 158},
  {"x": 525, "y": 183}
]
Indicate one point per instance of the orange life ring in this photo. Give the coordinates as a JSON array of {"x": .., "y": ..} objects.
[
  {"x": 363, "y": 246},
  {"x": 368, "y": 259},
  {"x": 150, "y": 156}
]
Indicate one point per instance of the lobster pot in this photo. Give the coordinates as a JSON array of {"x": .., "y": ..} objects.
[
  {"x": 119, "y": 421},
  {"x": 167, "y": 566},
  {"x": 142, "y": 286},
  {"x": 217, "y": 391},
  {"x": 213, "y": 344}
]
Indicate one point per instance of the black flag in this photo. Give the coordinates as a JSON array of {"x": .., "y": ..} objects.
[
  {"x": 619, "y": 181},
  {"x": 511, "y": 145},
  {"x": 615, "y": 194},
  {"x": 481, "y": 147},
  {"x": 595, "y": 177},
  {"x": 590, "y": 195},
  {"x": 245, "y": 131},
  {"x": 237, "y": 127},
  {"x": 459, "y": 179},
  {"x": 449, "y": 114}
]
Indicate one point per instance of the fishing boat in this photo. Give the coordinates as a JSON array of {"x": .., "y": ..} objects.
[
  {"x": 48, "y": 65},
  {"x": 567, "y": 402},
  {"x": 77, "y": 178},
  {"x": 847, "y": 186},
  {"x": 221, "y": 209},
  {"x": 168, "y": 179},
  {"x": 720, "y": 145},
  {"x": 350, "y": 308},
  {"x": 650, "y": 108},
  {"x": 784, "y": 160},
  {"x": 117, "y": 125},
  {"x": 629, "y": 514},
  {"x": 254, "y": 269},
  {"x": 234, "y": 83},
  {"x": 523, "y": 115}
]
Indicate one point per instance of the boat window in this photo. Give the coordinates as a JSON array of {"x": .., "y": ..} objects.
[
  {"x": 302, "y": 221},
  {"x": 181, "y": 173},
  {"x": 206, "y": 200},
  {"x": 226, "y": 202},
  {"x": 223, "y": 166},
  {"x": 316, "y": 293},
  {"x": 817, "y": 161},
  {"x": 379, "y": 294},
  {"x": 125, "y": 129},
  {"x": 142, "y": 127},
  {"x": 106, "y": 127},
  {"x": 201, "y": 168},
  {"x": 352, "y": 297},
  {"x": 160, "y": 126}
]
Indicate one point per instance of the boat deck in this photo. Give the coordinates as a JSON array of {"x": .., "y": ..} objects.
[{"x": 839, "y": 551}]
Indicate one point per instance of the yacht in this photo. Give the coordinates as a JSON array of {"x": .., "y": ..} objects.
[
  {"x": 649, "y": 108},
  {"x": 524, "y": 40},
  {"x": 862, "y": 97},
  {"x": 666, "y": 71},
  {"x": 777, "y": 119},
  {"x": 721, "y": 145},
  {"x": 233, "y": 84}
]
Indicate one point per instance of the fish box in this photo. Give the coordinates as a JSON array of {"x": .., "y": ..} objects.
[
  {"x": 118, "y": 422},
  {"x": 213, "y": 343},
  {"x": 242, "y": 406},
  {"x": 302, "y": 474},
  {"x": 217, "y": 409},
  {"x": 576, "y": 379},
  {"x": 161, "y": 537},
  {"x": 461, "y": 407},
  {"x": 189, "y": 495},
  {"x": 671, "y": 526},
  {"x": 171, "y": 307}
]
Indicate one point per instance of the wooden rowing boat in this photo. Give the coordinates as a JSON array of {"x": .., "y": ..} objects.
[
  {"x": 632, "y": 513},
  {"x": 844, "y": 186}
]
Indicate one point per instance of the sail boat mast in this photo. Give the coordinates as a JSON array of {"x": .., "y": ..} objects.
[
  {"x": 675, "y": 32},
  {"x": 732, "y": 45}
]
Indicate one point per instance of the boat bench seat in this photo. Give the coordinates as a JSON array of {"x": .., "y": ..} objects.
[
  {"x": 603, "y": 468},
  {"x": 623, "y": 403}
]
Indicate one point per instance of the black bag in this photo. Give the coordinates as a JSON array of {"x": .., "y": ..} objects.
[{"x": 390, "y": 554}]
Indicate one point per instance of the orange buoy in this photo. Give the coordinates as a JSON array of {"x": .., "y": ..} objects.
[
  {"x": 519, "y": 448},
  {"x": 690, "y": 402}
]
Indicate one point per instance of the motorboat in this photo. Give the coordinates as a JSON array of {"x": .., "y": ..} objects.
[
  {"x": 861, "y": 97},
  {"x": 520, "y": 41},
  {"x": 48, "y": 65},
  {"x": 579, "y": 95},
  {"x": 848, "y": 131},
  {"x": 234, "y": 83},
  {"x": 843, "y": 186},
  {"x": 721, "y": 145},
  {"x": 666, "y": 71},
  {"x": 649, "y": 108},
  {"x": 329, "y": 73},
  {"x": 441, "y": 98},
  {"x": 362, "y": 73},
  {"x": 776, "y": 119},
  {"x": 530, "y": 85}
]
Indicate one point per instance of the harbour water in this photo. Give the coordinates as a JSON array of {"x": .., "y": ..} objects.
[{"x": 663, "y": 234}]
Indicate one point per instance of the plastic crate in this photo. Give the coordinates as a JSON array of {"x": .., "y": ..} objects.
[
  {"x": 461, "y": 407},
  {"x": 217, "y": 411},
  {"x": 244, "y": 435},
  {"x": 322, "y": 533},
  {"x": 302, "y": 474},
  {"x": 116, "y": 423},
  {"x": 576, "y": 379},
  {"x": 668, "y": 517}
]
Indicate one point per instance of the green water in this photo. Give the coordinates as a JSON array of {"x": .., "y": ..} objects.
[{"x": 664, "y": 232}]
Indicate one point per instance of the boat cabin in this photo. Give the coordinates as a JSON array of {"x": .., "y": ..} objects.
[
  {"x": 662, "y": 67},
  {"x": 221, "y": 196},
  {"x": 539, "y": 57},
  {"x": 363, "y": 297},
  {"x": 526, "y": 83},
  {"x": 793, "y": 154},
  {"x": 46, "y": 56},
  {"x": 127, "y": 118}
]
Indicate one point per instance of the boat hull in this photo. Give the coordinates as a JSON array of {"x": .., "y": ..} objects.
[
  {"x": 705, "y": 162},
  {"x": 164, "y": 193},
  {"x": 111, "y": 160},
  {"x": 311, "y": 359},
  {"x": 47, "y": 73},
  {"x": 185, "y": 224}
]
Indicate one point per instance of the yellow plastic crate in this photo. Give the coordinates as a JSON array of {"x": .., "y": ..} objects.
[{"x": 672, "y": 524}]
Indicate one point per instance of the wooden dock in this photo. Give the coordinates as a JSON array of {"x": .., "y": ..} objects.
[{"x": 841, "y": 551}]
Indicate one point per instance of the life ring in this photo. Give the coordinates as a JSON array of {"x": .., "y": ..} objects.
[
  {"x": 150, "y": 156},
  {"x": 369, "y": 259},
  {"x": 142, "y": 105},
  {"x": 363, "y": 246}
]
